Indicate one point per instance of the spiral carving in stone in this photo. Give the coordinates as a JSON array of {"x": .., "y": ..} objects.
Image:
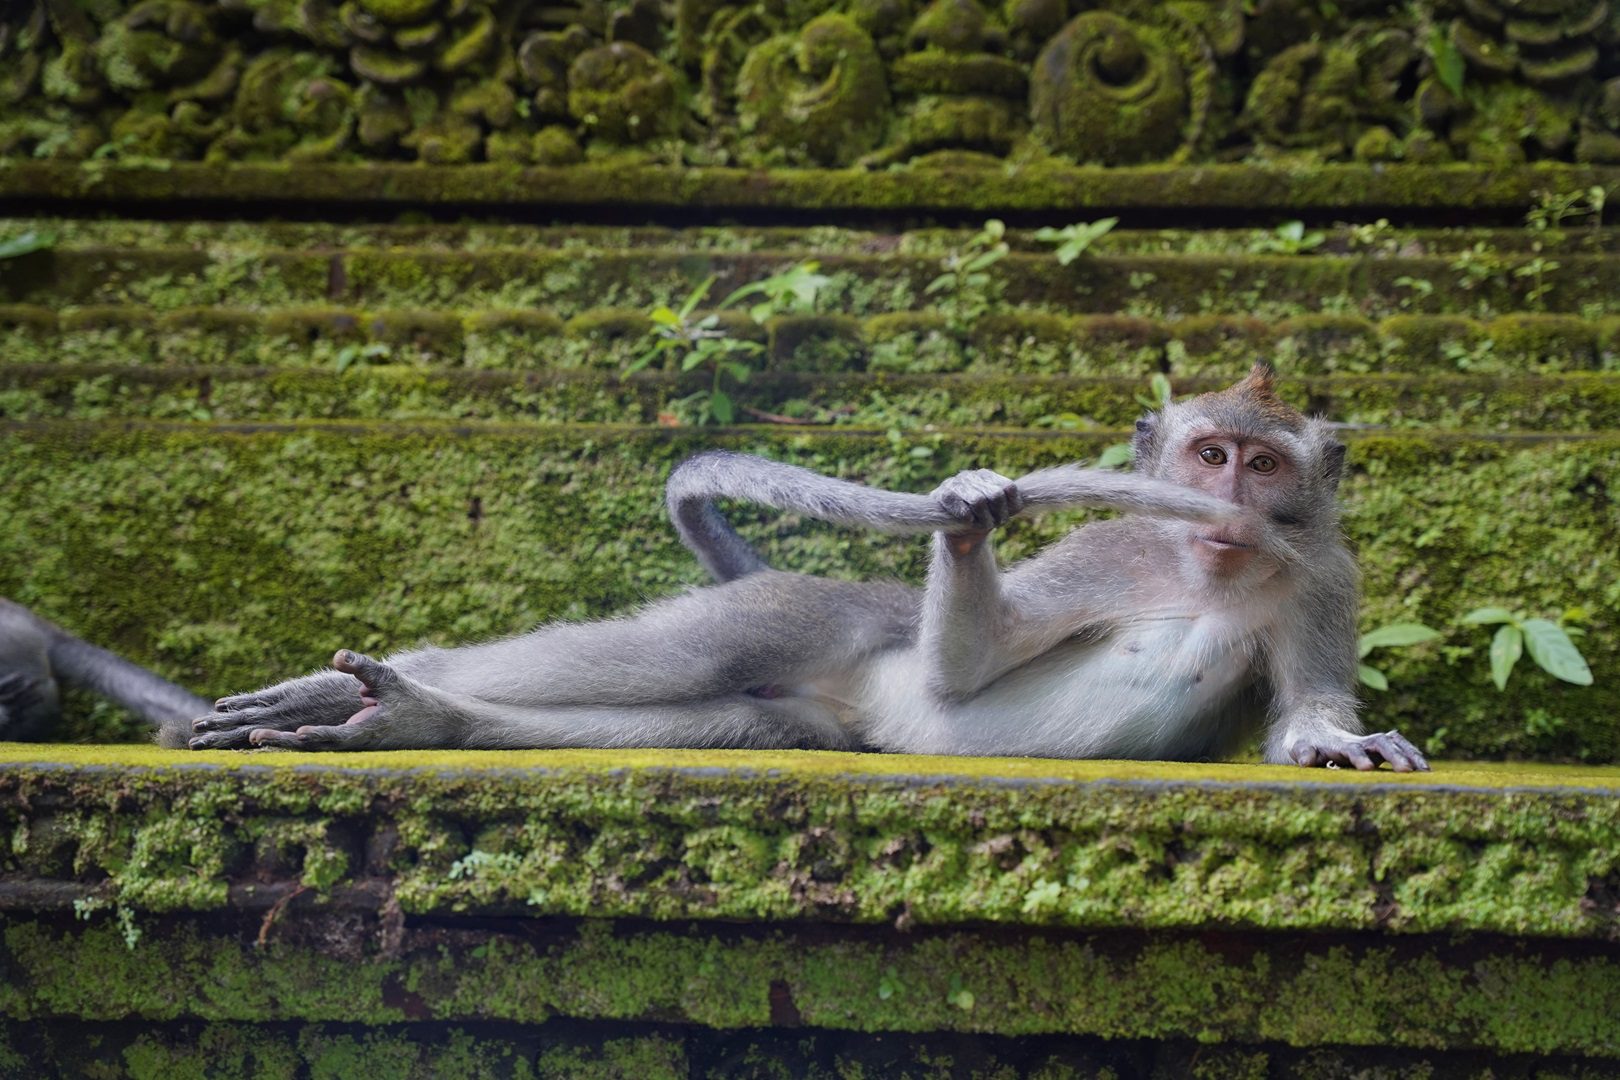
[
  {"x": 819, "y": 95},
  {"x": 1112, "y": 91}
]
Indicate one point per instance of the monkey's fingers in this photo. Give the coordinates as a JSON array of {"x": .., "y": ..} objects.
[
  {"x": 350, "y": 736},
  {"x": 1395, "y": 749}
]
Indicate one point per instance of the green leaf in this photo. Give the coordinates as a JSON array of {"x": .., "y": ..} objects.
[
  {"x": 25, "y": 243},
  {"x": 1371, "y": 676},
  {"x": 1395, "y": 634},
  {"x": 663, "y": 315},
  {"x": 1487, "y": 616},
  {"x": 1291, "y": 230},
  {"x": 1449, "y": 65},
  {"x": 1115, "y": 456},
  {"x": 693, "y": 359},
  {"x": 944, "y": 281},
  {"x": 695, "y": 297},
  {"x": 721, "y": 405},
  {"x": 1506, "y": 648},
  {"x": 1557, "y": 655}
]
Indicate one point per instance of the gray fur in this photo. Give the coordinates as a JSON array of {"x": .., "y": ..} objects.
[{"x": 1226, "y": 599}]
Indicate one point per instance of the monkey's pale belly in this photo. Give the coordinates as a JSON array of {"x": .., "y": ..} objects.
[{"x": 1148, "y": 690}]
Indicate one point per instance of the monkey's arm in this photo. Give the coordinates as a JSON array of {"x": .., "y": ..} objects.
[
  {"x": 697, "y": 482},
  {"x": 1312, "y": 657},
  {"x": 978, "y": 625}
]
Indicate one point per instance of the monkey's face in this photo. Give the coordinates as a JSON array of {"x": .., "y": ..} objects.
[{"x": 1261, "y": 475}]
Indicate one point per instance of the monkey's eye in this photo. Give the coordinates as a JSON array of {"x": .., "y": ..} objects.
[
  {"x": 1213, "y": 455},
  {"x": 1263, "y": 463}
]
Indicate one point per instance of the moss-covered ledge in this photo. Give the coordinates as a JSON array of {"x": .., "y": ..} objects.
[
  {"x": 843, "y": 838},
  {"x": 1469, "y": 910},
  {"x": 1506, "y": 189}
]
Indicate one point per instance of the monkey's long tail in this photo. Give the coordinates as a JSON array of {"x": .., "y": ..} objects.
[
  {"x": 696, "y": 483},
  {"x": 79, "y": 663}
]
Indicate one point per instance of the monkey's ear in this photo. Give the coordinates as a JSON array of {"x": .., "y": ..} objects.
[
  {"x": 1333, "y": 462},
  {"x": 1142, "y": 441}
]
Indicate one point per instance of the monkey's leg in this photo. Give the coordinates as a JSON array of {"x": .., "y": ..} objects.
[
  {"x": 769, "y": 629},
  {"x": 397, "y": 712}
]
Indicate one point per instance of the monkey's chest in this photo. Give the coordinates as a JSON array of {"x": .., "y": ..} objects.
[{"x": 1152, "y": 689}]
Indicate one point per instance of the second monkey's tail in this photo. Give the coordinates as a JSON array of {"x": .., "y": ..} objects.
[{"x": 696, "y": 483}]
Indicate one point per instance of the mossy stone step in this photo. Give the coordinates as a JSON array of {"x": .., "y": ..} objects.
[
  {"x": 1556, "y": 403},
  {"x": 1372, "y": 237},
  {"x": 229, "y": 555},
  {"x": 989, "y": 189},
  {"x": 1004, "y": 342},
  {"x": 836, "y": 892},
  {"x": 567, "y": 283}
]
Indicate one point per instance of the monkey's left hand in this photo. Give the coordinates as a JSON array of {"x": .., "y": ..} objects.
[
  {"x": 1362, "y": 751},
  {"x": 979, "y": 499}
]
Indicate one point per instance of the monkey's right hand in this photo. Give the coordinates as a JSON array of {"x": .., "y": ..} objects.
[
  {"x": 977, "y": 501},
  {"x": 327, "y": 697}
]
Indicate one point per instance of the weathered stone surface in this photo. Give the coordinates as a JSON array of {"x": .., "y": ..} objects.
[{"x": 837, "y": 893}]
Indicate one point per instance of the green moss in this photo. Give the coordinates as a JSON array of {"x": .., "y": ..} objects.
[
  {"x": 1544, "y": 342},
  {"x": 1042, "y": 187},
  {"x": 817, "y": 96}
]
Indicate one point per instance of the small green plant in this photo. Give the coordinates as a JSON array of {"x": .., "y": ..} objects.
[
  {"x": 1548, "y": 643},
  {"x": 1538, "y": 268},
  {"x": 889, "y": 984},
  {"x": 26, "y": 243},
  {"x": 965, "y": 288},
  {"x": 1394, "y": 635},
  {"x": 793, "y": 291},
  {"x": 694, "y": 343},
  {"x": 475, "y": 862},
  {"x": 350, "y": 355},
  {"x": 85, "y": 908},
  {"x": 959, "y": 996},
  {"x": 1449, "y": 65},
  {"x": 1378, "y": 235},
  {"x": 1420, "y": 288},
  {"x": 1073, "y": 240},
  {"x": 1476, "y": 265},
  {"x": 1159, "y": 393},
  {"x": 1553, "y": 209},
  {"x": 1289, "y": 238}
]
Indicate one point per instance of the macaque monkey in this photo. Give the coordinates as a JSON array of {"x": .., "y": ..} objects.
[
  {"x": 1223, "y": 602},
  {"x": 37, "y": 657}
]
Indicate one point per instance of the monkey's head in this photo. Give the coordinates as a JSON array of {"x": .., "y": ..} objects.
[{"x": 1248, "y": 446}]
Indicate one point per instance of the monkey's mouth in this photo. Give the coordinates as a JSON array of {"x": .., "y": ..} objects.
[{"x": 1224, "y": 543}]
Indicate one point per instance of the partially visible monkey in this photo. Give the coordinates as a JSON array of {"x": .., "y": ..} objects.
[
  {"x": 1226, "y": 602},
  {"x": 37, "y": 657}
]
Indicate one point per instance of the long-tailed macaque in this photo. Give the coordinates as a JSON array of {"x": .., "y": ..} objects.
[
  {"x": 37, "y": 657},
  {"x": 1223, "y": 601}
]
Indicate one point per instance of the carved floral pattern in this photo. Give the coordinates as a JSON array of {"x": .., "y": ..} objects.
[{"x": 842, "y": 83}]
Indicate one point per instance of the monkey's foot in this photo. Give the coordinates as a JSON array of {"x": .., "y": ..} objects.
[
  {"x": 326, "y": 697},
  {"x": 1365, "y": 752},
  {"x": 396, "y": 713}
]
